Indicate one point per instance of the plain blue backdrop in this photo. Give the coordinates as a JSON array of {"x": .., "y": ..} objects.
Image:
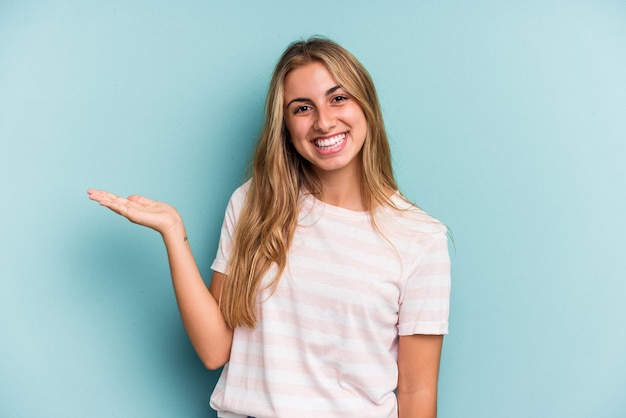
[{"x": 507, "y": 121}]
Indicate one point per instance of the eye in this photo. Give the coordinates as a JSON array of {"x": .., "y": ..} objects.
[
  {"x": 300, "y": 109},
  {"x": 340, "y": 98}
]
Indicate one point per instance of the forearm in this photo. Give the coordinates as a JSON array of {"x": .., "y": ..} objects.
[
  {"x": 198, "y": 308},
  {"x": 209, "y": 334},
  {"x": 419, "y": 404},
  {"x": 418, "y": 371}
]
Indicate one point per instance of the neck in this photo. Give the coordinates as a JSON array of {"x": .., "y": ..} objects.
[{"x": 342, "y": 189}]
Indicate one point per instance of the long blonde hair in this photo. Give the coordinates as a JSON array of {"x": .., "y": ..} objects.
[{"x": 269, "y": 216}]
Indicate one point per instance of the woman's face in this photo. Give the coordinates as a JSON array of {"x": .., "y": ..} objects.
[{"x": 327, "y": 126}]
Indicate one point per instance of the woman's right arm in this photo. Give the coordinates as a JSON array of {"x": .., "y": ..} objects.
[{"x": 198, "y": 307}]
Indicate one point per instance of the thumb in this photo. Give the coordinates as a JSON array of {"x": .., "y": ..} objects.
[{"x": 140, "y": 199}]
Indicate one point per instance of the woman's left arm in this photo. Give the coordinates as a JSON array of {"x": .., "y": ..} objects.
[{"x": 418, "y": 371}]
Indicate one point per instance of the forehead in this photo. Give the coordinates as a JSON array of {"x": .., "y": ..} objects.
[{"x": 311, "y": 79}]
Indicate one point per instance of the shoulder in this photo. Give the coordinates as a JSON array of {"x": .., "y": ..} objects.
[
  {"x": 236, "y": 202},
  {"x": 238, "y": 197},
  {"x": 408, "y": 220}
]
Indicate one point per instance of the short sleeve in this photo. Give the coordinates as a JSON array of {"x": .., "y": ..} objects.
[
  {"x": 228, "y": 228},
  {"x": 425, "y": 301}
]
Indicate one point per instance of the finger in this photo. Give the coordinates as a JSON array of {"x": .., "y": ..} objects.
[
  {"x": 116, "y": 203},
  {"x": 123, "y": 207},
  {"x": 96, "y": 195},
  {"x": 128, "y": 208},
  {"x": 101, "y": 196},
  {"x": 116, "y": 206},
  {"x": 140, "y": 200}
]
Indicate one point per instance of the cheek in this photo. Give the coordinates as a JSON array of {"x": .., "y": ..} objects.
[
  {"x": 294, "y": 129},
  {"x": 360, "y": 116},
  {"x": 355, "y": 116}
]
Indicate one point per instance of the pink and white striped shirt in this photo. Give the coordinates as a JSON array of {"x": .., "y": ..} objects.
[{"x": 326, "y": 341}]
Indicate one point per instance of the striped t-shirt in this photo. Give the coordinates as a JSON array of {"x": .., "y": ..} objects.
[{"x": 325, "y": 344}]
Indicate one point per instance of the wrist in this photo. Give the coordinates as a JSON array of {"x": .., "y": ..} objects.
[{"x": 175, "y": 231}]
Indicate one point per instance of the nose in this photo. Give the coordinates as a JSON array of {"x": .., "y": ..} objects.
[{"x": 325, "y": 119}]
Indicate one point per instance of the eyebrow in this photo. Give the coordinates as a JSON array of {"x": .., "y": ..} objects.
[{"x": 304, "y": 99}]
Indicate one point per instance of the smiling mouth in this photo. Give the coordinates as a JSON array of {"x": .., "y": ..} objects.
[{"x": 332, "y": 142}]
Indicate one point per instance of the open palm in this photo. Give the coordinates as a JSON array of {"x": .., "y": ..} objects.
[{"x": 138, "y": 209}]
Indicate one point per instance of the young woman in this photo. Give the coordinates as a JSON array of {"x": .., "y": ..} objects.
[{"x": 330, "y": 290}]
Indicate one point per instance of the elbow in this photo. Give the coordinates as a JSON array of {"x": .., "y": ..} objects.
[
  {"x": 213, "y": 362},
  {"x": 213, "y": 365},
  {"x": 213, "y": 349}
]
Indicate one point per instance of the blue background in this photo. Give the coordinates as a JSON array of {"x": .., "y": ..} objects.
[{"x": 507, "y": 121}]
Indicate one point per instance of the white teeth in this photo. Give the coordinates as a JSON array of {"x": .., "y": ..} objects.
[{"x": 330, "y": 142}]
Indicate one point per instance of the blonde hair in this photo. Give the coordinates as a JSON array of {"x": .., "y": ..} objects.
[{"x": 269, "y": 216}]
